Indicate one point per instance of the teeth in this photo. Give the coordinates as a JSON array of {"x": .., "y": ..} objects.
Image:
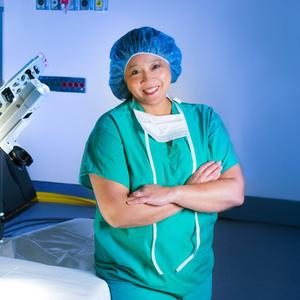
[{"x": 151, "y": 90}]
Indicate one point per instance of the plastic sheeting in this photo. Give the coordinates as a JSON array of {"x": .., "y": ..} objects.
[
  {"x": 41, "y": 215},
  {"x": 68, "y": 244}
]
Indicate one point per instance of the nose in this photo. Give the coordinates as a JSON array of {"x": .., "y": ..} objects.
[{"x": 146, "y": 76}]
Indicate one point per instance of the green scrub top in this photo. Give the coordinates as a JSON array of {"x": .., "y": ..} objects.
[{"x": 116, "y": 150}]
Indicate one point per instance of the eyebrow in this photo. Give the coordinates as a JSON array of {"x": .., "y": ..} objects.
[
  {"x": 131, "y": 66},
  {"x": 153, "y": 61}
]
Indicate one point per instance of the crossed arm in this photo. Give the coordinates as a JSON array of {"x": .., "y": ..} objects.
[{"x": 206, "y": 191}]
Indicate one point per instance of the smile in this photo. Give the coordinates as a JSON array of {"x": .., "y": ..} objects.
[{"x": 151, "y": 90}]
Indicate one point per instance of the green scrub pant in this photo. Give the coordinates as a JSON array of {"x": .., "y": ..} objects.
[{"x": 121, "y": 290}]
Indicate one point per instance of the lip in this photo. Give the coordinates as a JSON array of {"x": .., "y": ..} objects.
[{"x": 151, "y": 90}]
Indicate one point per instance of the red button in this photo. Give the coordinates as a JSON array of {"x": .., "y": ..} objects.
[
  {"x": 82, "y": 85},
  {"x": 64, "y": 84},
  {"x": 70, "y": 84},
  {"x": 76, "y": 84}
]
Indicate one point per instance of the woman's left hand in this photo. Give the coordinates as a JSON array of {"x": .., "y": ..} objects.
[{"x": 152, "y": 194}]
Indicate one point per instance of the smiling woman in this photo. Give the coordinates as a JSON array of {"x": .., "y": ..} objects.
[
  {"x": 161, "y": 170},
  {"x": 148, "y": 79}
]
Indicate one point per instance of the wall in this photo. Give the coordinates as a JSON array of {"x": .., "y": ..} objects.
[{"x": 241, "y": 57}]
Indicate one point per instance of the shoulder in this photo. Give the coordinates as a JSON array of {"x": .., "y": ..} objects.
[
  {"x": 106, "y": 129},
  {"x": 197, "y": 110},
  {"x": 194, "y": 107},
  {"x": 110, "y": 119}
]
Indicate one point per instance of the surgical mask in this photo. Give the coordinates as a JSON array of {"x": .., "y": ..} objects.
[{"x": 163, "y": 128}]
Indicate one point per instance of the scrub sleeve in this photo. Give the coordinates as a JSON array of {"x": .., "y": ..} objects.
[{"x": 104, "y": 155}]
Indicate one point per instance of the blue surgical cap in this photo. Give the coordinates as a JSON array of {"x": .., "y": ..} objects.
[{"x": 141, "y": 40}]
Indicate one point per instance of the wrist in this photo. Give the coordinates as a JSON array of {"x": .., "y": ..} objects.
[{"x": 175, "y": 192}]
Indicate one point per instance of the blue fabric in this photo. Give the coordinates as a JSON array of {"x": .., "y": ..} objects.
[
  {"x": 144, "y": 39},
  {"x": 63, "y": 188},
  {"x": 40, "y": 215}
]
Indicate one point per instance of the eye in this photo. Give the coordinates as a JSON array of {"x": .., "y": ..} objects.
[
  {"x": 156, "y": 66},
  {"x": 133, "y": 72}
]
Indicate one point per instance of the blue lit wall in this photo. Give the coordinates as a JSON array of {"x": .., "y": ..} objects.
[{"x": 241, "y": 57}]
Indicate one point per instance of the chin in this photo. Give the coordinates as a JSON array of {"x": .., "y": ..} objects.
[{"x": 154, "y": 99}]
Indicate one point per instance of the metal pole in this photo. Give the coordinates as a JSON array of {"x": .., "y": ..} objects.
[
  {"x": 1, "y": 156},
  {"x": 1, "y": 41}
]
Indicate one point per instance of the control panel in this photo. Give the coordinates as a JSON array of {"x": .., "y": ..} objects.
[
  {"x": 65, "y": 5},
  {"x": 64, "y": 84}
]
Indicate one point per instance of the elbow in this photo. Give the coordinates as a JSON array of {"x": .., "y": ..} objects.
[
  {"x": 118, "y": 221},
  {"x": 112, "y": 223},
  {"x": 239, "y": 199},
  {"x": 239, "y": 192},
  {"x": 239, "y": 196},
  {"x": 114, "y": 216},
  {"x": 112, "y": 220},
  {"x": 236, "y": 187},
  {"x": 235, "y": 199},
  {"x": 123, "y": 222},
  {"x": 118, "y": 224}
]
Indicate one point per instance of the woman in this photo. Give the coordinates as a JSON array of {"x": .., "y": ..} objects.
[{"x": 161, "y": 170}]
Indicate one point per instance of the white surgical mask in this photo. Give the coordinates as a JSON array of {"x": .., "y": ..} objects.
[{"x": 163, "y": 128}]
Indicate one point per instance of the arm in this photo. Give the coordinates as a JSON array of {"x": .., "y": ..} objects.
[
  {"x": 112, "y": 197},
  {"x": 212, "y": 196}
]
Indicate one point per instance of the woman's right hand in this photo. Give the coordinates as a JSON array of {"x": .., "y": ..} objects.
[{"x": 209, "y": 171}]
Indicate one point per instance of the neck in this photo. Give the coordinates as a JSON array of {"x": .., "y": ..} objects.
[{"x": 160, "y": 109}]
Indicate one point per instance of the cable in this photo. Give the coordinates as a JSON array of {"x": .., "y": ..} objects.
[{"x": 64, "y": 199}]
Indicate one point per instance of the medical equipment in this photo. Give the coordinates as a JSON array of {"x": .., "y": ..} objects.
[
  {"x": 65, "y": 5},
  {"x": 64, "y": 84},
  {"x": 19, "y": 98}
]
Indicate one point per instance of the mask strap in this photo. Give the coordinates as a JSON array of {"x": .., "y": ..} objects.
[
  {"x": 197, "y": 227},
  {"x": 177, "y": 100},
  {"x": 154, "y": 224}
]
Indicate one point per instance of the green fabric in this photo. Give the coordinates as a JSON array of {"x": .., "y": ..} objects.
[
  {"x": 116, "y": 150},
  {"x": 123, "y": 290}
]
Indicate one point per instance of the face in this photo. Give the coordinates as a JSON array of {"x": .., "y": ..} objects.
[{"x": 148, "y": 78}]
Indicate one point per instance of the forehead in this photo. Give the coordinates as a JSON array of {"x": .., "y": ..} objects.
[{"x": 144, "y": 58}]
